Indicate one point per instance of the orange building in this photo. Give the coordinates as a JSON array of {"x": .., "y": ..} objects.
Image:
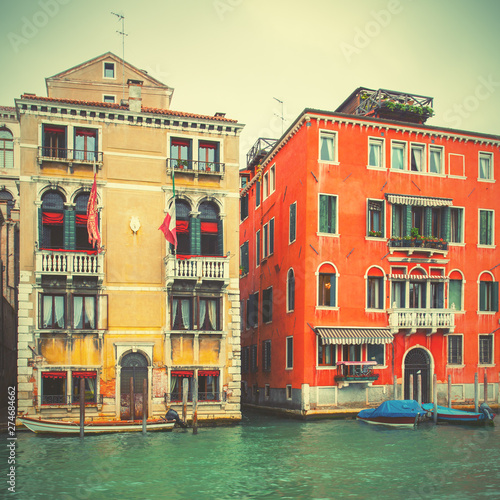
[{"x": 368, "y": 254}]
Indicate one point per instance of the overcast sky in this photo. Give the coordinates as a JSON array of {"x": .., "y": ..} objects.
[{"x": 236, "y": 56}]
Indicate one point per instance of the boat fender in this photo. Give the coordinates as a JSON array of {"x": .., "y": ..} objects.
[{"x": 487, "y": 411}]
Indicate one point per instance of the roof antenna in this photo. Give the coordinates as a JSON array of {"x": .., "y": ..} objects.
[
  {"x": 281, "y": 117},
  {"x": 123, "y": 34}
]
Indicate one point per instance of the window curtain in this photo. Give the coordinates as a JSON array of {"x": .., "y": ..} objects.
[
  {"x": 173, "y": 384},
  {"x": 416, "y": 160},
  {"x": 185, "y": 313},
  {"x": 397, "y": 158},
  {"x": 455, "y": 294},
  {"x": 374, "y": 156},
  {"x": 327, "y": 148},
  {"x": 435, "y": 162},
  {"x": 78, "y": 312},
  {"x": 59, "y": 306},
  {"x": 90, "y": 311},
  {"x": 212, "y": 314},
  {"x": 203, "y": 309},
  {"x": 484, "y": 168},
  {"x": 47, "y": 310}
]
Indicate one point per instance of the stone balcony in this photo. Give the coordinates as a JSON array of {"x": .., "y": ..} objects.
[
  {"x": 197, "y": 268},
  {"x": 69, "y": 263},
  {"x": 421, "y": 319}
]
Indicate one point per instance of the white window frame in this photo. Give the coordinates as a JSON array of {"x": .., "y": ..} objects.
[
  {"x": 336, "y": 233},
  {"x": 258, "y": 256},
  {"x": 336, "y": 298},
  {"x": 266, "y": 238},
  {"x": 434, "y": 148},
  {"x": 109, "y": 95},
  {"x": 462, "y": 228},
  {"x": 334, "y": 135},
  {"x": 288, "y": 389},
  {"x": 483, "y": 245},
  {"x": 368, "y": 200},
  {"x": 272, "y": 179},
  {"x": 326, "y": 367},
  {"x": 384, "y": 365},
  {"x": 381, "y": 142},
  {"x": 454, "y": 365},
  {"x": 265, "y": 186},
  {"x": 287, "y": 290},
  {"x": 404, "y": 146},
  {"x": 286, "y": 353},
  {"x": 289, "y": 226},
  {"x": 483, "y": 154},
  {"x": 492, "y": 350},
  {"x": 419, "y": 147},
  {"x": 383, "y": 291},
  {"x": 104, "y": 70}
]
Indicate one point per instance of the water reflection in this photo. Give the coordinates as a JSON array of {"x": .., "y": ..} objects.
[{"x": 263, "y": 458}]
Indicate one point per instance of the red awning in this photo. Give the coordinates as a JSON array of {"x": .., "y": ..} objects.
[
  {"x": 53, "y": 374},
  {"x": 89, "y": 374},
  {"x": 182, "y": 226},
  {"x": 81, "y": 219},
  {"x": 88, "y": 133},
  {"x": 182, "y": 373},
  {"x": 209, "y": 227},
  {"x": 52, "y": 218},
  {"x": 52, "y": 128},
  {"x": 208, "y": 373}
]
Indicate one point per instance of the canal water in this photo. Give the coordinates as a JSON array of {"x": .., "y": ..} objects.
[{"x": 265, "y": 457}]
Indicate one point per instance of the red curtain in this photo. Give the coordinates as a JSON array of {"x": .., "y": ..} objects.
[
  {"x": 182, "y": 373},
  {"x": 208, "y": 373},
  {"x": 209, "y": 227},
  {"x": 51, "y": 218},
  {"x": 88, "y": 133},
  {"x": 57, "y": 130},
  {"x": 53, "y": 374},
  {"x": 84, "y": 374},
  {"x": 81, "y": 219},
  {"x": 182, "y": 226}
]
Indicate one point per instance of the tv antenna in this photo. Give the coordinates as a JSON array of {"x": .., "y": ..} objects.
[
  {"x": 281, "y": 117},
  {"x": 121, "y": 18}
]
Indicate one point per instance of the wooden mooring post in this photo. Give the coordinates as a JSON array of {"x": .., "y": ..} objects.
[
  {"x": 449, "y": 391},
  {"x": 82, "y": 407},
  {"x": 411, "y": 387},
  {"x": 476, "y": 392},
  {"x": 435, "y": 397},
  {"x": 144, "y": 405},
  {"x": 485, "y": 387},
  {"x": 185, "y": 390},
  {"x": 395, "y": 385},
  {"x": 195, "y": 406},
  {"x": 132, "y": 399},
  {"x": 419, "y": 388}
]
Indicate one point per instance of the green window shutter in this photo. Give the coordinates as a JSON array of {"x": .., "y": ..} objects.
[
  {"x": 445, "y": 224},
  {"x": 333, "y": 290},
  {"x": 244, "y": 257},
  {"x": 323, "y": 214},
  {"x": 482, "y": 296},
  {"x": 394, "y": 231},
  {"x": 407, "y": 226},
  {"x": 195, "y": 235},
  {"x": 381, "y": 294},
  {"x": 482, "y": 227},
  {"x": 220, "y": 238},
  {"x": 292, "y": 222},
  {"x": 428, "y": 222},
  {"x": 271, "y": 236},
  {"x": 40, "y": 228},
  {"x": 494, "y": 296},
  {"x": 455, "y": 294},
  {"x": 69, "y": 229}
]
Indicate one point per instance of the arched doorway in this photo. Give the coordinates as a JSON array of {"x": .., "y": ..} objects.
[
  {"x": 418, "y": 360},
  {"x": 134, "y": 371}
]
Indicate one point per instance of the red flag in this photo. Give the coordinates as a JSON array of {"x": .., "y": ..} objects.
[
  {"x": 169, "y": 223},
  {"x": 92, "y": 229}
]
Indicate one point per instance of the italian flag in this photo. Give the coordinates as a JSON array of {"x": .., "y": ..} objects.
[{"x": 169, "y": 223}]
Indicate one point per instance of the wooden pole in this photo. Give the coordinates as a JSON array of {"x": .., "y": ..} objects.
[
  {"x": 485, "y": 387},
  {"x": 395, "y": 390},
  {"x": 144, "y": 405},
  {"x": 195, "y": 406},
  {"x": 476, "y": 392},
  {"x": 435, "y": 397},
  {"x": 419, "y": 388},
  {"x": 185, "y": 390},
  {"x": 82, "y": 407},
  {"x": 411, "y": 387},
  {"x": 132, "y": 399},
  {"x": 449, "y": 391}
]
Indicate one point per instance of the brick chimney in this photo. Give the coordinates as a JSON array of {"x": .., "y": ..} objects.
[{"x": 134, "y": 95}]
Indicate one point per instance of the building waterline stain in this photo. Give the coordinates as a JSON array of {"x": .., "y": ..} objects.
[{"x": 264, "y": 457}]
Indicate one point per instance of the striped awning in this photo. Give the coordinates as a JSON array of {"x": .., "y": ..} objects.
[
  {"x": 422, "y": 201},
  {"x": 353, "y": 335},
  {"x": 417, "y": 277}
]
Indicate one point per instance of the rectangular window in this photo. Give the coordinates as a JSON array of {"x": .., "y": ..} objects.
[
  {"x": 54, "y": 141},
  {"x": 53, "y": 311},
  {"x": 243, "y": 208},
  {"x": 485, "y": 349},
  {"x": 418, "y": 219},
  {"x": 84, "y": 312},
  {"x": 182, "y": 318},
  {"x": 398, "y": 220},
  {"x": 455, "y": 349},
  {"x": 266, "y": 355},
  {"x": 417, "y": 156},
  {"x": 109, "y": 70},
  {"x": 486, "y": 166},
  {"x": 272, "y": 179},
  {"x": 108, "y": 98},
  {"x": 244, "y": 267},
  {"x": 436, "y": 217},
  {"x": 376, "y": 352},
  {"x": 375, "y": 218},
  {"x": 271, "y": 236},
  {"x": 435, "y": 160},
  {"x": 253, "y": 358},
  {"x": 209, "y": 314},
  {"x": 85, "y": 144},
  {"x": 398, "y": 296},
  {"x": 375, "y": 292},
  {"x": 417, "y": 295},
  {"x": 6, "y": 148},
  {"x": 292, "y": 223},
  {"x": 437, "y": 295},
  {"x": 375, "y": 153},
  {"x": 268, "y": 239},
  {"x": 327, "y": 354},
  {"x": 398, "y": 155},
  {"x": 252, "y": 310},
  {"x": 208, "y": 385},
  {"x": 267, "y": 305},
  {"x": 486, "y": 227},
  {"x": 90, "y": 378},
  {"x": 265, "y": 186},
  {"x": 176, "y": 384},
  {"x": 326, "y": 290},
  {"x": 327, "y": 146},
  {"x": 288, "y": 392},
  {"x": 327, "y": 214},
  {"x": 257, "y": 248},
  {"x": 53, "y": 388},
  {"x": 289, "y": 352},
  {"x": 257, "y": 194},
  {"x": 245, "y": 359},
  {"x": 181, "y": 154},
  {"x": 456, "y": 222},
  {"x": 208, "y": 157},
  {"x": 488, "y": 296}
]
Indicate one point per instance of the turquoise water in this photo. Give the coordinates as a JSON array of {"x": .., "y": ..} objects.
[{"x": 264, "y": 457}]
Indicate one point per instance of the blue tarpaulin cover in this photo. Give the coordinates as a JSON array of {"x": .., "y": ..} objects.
[{"x": 394, "y": 408}]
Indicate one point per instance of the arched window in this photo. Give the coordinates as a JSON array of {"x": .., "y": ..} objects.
[
  {"x": 327, "y": 286},
  {"x": 375, "y": 288},
  {"x": 488, "y": 293},
  {"x": 6, "y": 149},
  {"x": 182, "y": 211},
  {"x": 210, "y": 229},
  {"x": 52, "y": 220},
  {"x": 455, "y": 291},
  {"x": 81, "y": 233},
  {"x": 6, "y": 196},
  {"x": 290, "y": 304}
]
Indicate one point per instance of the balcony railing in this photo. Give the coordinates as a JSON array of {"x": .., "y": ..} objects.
[
  {"x": 66, "y": 155},
  {"x": 418, "y": 244},
  {"x": 204, "y": 397},
  {"x": 65, "y": 400},
  {"x": 355, "y": 371},
  {"x": 425, "y": 319},
  {"x": 70, "y": 262},
  {"x": 196, "y": 167},
  {"x": 194, "y": 267}
]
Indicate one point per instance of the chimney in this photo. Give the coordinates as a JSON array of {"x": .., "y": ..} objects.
[{"x": 134, "y": 95}]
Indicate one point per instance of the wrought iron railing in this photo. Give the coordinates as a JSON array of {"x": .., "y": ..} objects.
[
  {"x": 196, "y": 166},
  {"x": 356, "y": 370},
  {"x": 65, "y": 400},
  {"x": 436, "y": 243},
  {"x": 203, "y": 397},
  {"x": 73, "y": 155}
]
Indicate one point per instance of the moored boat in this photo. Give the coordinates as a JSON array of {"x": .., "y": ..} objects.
[
  {"x": 452, "y": 415},
  {"x": 395, "y": 413},
  {"x": 42, "y": 426}
]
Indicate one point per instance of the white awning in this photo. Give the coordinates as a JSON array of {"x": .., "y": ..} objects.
[
  {"x": 422, "y": 201},
  {"x": 418, "y": 277},
  {"x": 353, "y": 335}
]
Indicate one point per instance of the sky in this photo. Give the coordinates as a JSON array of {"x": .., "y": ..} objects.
[{"x": 242, "y": 56}]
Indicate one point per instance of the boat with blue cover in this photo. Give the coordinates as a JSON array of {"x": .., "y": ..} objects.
[
  {"x": 452, "y": 415},
  {"x": 395, "y": 413}
]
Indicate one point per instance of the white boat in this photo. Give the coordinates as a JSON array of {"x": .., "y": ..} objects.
[{"x": 41, "y": 426}]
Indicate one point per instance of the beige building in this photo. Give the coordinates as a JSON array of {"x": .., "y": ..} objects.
[{"x": 138, "y": 309}]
